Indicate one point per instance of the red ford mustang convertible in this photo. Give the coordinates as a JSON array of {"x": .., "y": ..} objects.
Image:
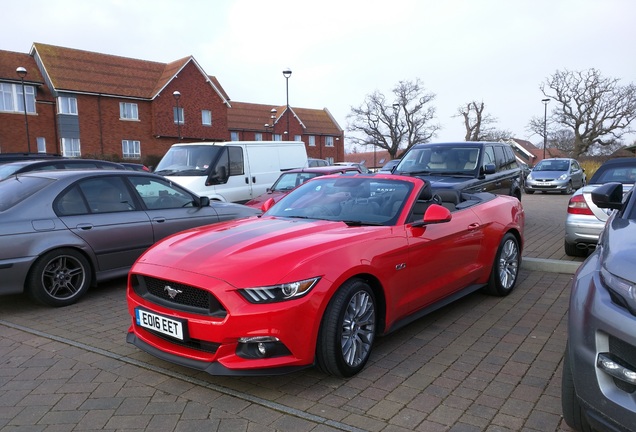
[{"x": 314, "y": 280}]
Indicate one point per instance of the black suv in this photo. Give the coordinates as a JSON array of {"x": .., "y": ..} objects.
[{"x": 465, "y": 166}]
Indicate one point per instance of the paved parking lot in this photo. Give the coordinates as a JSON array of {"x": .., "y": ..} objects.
[{"x": 482, "y": 363}]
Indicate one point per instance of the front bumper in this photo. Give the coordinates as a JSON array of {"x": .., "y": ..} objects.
[
  {"x": 547, "y": 186},
  {"x": 212, "y": 342},
  {"x": 597, "y": 326}
]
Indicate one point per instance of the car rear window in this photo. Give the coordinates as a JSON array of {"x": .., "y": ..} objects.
[
  {"x": 616, "y": 173},
  {"x": 15, "y": 189}
]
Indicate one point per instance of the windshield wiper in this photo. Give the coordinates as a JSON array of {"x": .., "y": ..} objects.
[
  {"x": 164, "y": 172},
  {"x": 361, "y": 223},
  {"x": 453, "y": 173},
  {"x": 416, "y": 172}
]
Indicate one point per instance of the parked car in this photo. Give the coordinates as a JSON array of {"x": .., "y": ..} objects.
[
  {"x": 12, "y": 168},
  {"x": 62, "y": 231},
  {"x": 465, "y": 166},
  {"x": 335, "y": 263},
  {"x": 563, "y": 175},
  {"x": 525, "y": 170},
  {"x": 12, "y": 157},
  {"x": 135, "y": 166},
  {"x": 584, "y": 220},
  {"x": 291, "y": 179},
  {"x": 599, "y": 366},
  {"x": 362, "y": 167},
  {"x": 313, "y": 162},
  {"x": 388, "y": 167}
]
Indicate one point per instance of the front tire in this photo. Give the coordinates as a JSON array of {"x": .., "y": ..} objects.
[
  {"x": 347, "y": 330},
  {"x": 59, "y": 278},
  {"x": 570, "y": 405},
  {"x": 505, "y": 268}
]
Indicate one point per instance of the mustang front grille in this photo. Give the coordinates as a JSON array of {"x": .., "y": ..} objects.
[{"x": 178, "y": 296}]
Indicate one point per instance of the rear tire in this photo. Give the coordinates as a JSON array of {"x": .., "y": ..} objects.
[
  {"x": 59, "y": 278},
  {"x": 570, "y": 405},
  {"x": 505, "y": 268},
  {"x": 347, "y": 330}
]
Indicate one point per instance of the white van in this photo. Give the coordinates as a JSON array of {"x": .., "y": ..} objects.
[{"x": 233, "y": 171}]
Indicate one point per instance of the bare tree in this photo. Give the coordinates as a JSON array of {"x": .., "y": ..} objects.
[
  {"x": 395, "y": 125},
  {"x": 596, "y": 109},
  {"x": 477, "y": 123}
]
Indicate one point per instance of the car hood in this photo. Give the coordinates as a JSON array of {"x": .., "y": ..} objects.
[
  {"x": 259, "y": 200},
  {"x": 448, "y": 181},
  {"x": 619, "y": 248},
  {"x": 268, "y": 247}
]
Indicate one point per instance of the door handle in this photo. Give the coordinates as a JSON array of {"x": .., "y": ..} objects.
[
  {"x": 159, "y": 220},
  {"x": 85, "y": 227},
  {"x": 253, "y": 179},
  {"x": 473, "y": 226}
]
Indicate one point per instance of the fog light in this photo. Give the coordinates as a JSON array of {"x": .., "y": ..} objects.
[{"x": 258, "y": 347}]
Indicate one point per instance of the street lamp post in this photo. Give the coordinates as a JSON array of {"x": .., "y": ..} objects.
[
  {"x": 287, "y": 73},
  {"x": 21, "y": 71},
  {"x": 176, "y": 96},
  {"x": 545, "y": 124}
]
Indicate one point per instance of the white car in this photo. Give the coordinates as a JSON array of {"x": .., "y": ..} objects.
[{"x": 585, "y": 220}]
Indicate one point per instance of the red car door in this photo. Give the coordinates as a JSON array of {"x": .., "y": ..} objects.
[{"x": 442, "y": 259}]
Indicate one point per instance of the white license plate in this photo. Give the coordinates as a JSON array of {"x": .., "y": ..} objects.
[
  {"x": 543, "y": 184},
  {"x": 159, "y": 323}
]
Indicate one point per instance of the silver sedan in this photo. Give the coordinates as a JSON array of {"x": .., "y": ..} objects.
[
  {"x": 63, "y": 231},
  {"x": 585, "y": 220}
]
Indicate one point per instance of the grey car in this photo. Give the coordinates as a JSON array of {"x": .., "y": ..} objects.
[
  {"x": 563, "y": 175},
  {"x": 584, "y": 220},
  {"x": 63, "y": 231},
  {"x": 599, "y": 365}
]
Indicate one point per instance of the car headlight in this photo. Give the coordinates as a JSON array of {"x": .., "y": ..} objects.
[
  {"x": 278, "y": 293},
  {"x": 563, "y": 177},
  {"x": 623, "y": 288}
]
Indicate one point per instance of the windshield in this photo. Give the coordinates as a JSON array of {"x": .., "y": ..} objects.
[
  {"x": 289, "y": 181},
  {"x": 552, "y": 165},
  {"x": 353, "y": 200},
  {"x": 190, "y": 160},
  {"x": 439, "y": 160}
]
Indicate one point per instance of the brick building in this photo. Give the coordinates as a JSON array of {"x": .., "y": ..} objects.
[{"x": 81, "y": 103}]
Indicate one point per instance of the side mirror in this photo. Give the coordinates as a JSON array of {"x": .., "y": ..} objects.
[
  {"x": 434, "y": 214},
  {"x": 490, "y": 169},
  {"x": 203, "y": 201},
  {"x": 268, "y": 205},
  {"x": 609, "y": 195}
]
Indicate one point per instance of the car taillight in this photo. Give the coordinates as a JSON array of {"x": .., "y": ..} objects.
[{"x": 577, "y": 205}]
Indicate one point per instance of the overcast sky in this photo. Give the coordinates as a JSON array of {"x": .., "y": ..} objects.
[{"x": 339, "y": 51}]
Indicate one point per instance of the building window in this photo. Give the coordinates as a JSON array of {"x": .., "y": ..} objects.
[
  {"x": 41, "y": 144},
  {"x": 131, "y": 149},
  {"x": 258, "y": 136},
  {"x": 67, "y": 105},
  {"x": 312, "y": 141},
  {"x": 206, "y": 117},
  {"x": 11, "y": 99},
  {"x": 329, "y": 160},
  {"x": 71, "y": 147},
  {"x": 329, "y": 141},
  {"x": 178, "y": 115},
  {"x": 128, "y": 111},
  {"x": 278, "y": 137},
  {"x": 297, "y": 138},
  {"x": 234, "y": 136}
]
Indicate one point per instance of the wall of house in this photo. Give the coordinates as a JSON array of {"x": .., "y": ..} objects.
[{"x": 13, "y": 136}]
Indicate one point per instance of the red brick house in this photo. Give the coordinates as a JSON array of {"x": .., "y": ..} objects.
[{"x": 81, "y": 103}]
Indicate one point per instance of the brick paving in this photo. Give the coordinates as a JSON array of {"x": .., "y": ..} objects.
[{"x": 480, "y": 364}]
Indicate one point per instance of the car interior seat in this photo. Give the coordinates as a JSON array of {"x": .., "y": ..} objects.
[
  {"x": 471, "y": 163},
  {"x": 437, "y": 161}
]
